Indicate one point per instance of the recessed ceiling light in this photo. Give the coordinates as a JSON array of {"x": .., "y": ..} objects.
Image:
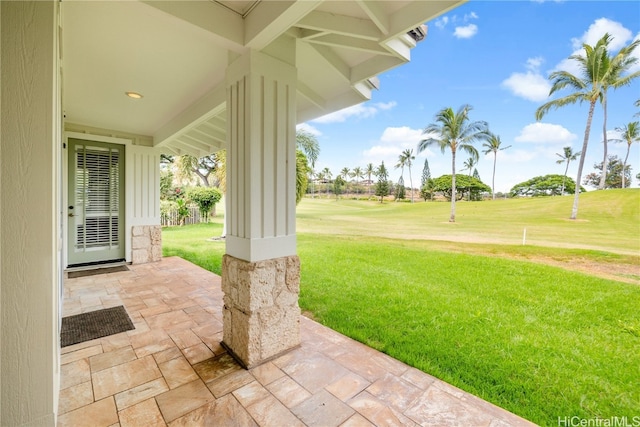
[{"x": 134, "y": 95}]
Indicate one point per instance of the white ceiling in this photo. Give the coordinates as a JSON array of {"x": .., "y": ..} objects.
[{"x": 175, "y": 54}]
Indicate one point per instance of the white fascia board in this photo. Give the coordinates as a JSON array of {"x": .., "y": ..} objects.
[
  {"x": 200, "y": 111},
  {"x": 269, "y": 20},
  {"x": 374, "y": 66}
]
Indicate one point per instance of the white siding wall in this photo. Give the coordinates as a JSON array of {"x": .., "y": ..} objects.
[{"x": 29, "y": 213}]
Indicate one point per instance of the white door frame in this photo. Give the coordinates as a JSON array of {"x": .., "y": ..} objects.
[{"x": 65, "y": 189}]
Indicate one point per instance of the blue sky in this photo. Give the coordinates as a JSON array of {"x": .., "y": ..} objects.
[{"x": 495, "y": 56}]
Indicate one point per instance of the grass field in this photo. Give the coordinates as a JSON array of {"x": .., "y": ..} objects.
[{"x": 538, "y": 340}]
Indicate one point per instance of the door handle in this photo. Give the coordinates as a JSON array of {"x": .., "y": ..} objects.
[{"x": 71, "y": 215}]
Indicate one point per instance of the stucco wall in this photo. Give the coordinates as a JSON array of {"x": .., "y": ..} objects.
[{"x": 29, "y": 185}]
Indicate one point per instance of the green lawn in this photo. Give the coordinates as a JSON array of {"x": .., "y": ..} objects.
[{"x": 540, "y": 341}]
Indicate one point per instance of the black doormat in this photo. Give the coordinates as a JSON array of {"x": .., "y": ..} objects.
[
  {"x": 94, "y": 271},
  {"x": 95, "y": 324}
]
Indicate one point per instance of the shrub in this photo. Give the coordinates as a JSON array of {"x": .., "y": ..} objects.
[{"x": 206, "y": 198}]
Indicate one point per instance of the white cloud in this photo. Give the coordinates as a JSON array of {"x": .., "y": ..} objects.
[
  {"x": 392, "y": 142},
  {"x": 359, "y": 111},
  {"x": 619, "y": 34},
  {"x": 466, "y": 32},
  {"x": 545, "y": 133},
  {"x": 620, "y": 37},
  {"x": 530, "y": 85},
  {"x": 442, "y": 22},
  {"x": 308, "y": 128},
  {"x": 469, "y": 16}
]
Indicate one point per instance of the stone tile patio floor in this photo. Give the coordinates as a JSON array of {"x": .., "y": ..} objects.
[{"x": 171, "y": 370}]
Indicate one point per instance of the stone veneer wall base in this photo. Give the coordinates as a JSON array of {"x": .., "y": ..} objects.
[
  {"x": 261, "y": 316},
  {"x": 146, "y": 244}
]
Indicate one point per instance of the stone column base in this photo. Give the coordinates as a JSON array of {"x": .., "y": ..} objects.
[
  {"x": 146, "y": 244},
  {"x": 261, "y": 316}
]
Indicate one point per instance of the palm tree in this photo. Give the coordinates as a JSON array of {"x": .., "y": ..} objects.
[
  {"x": 631, "y": 133},
  {"x": 493, "y": 146},
  {"x": 344, "y": 174},
  {"x": 454, "y": 131},
  {"x": 613, "y": 78},
  {"x": 369, "y": 170},
  {"x": 326, "y": 173},
  {"x": 588, "y": 87},
  {"x": 357, "y": 174},
  {"x": 568, "y": 156},
  {"x": 408, "y": 160},
  {"x": 469, "y": 164},
  {"x": 311, "y": 148}
]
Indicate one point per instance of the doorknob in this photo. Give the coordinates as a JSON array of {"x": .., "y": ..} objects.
[{"x": 71, "y": 215}]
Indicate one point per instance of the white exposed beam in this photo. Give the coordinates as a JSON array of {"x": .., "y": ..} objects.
[
  {"x": 311, "y": 95},
  {"x": 401, "y": 46},
  {"x": 334, "y": 60},
  {"x": 201, "y": 110},
  {"x": 209, "y": 136},
  {"x": 350, "y": 43},
  {"x": 187, "y": 149},
  {"x": 216, "y": 123},
  {"x": 225, "y": 25},
  {"x": 195, "y": 142},
  {"x": 271, "y": 19},
  {"x": 376, "y": 14},
  {"x": 340, "y": 24}
]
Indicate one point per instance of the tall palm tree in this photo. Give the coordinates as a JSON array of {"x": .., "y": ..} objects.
[
  {"x": 588, "y": 88},
  {"x": 469, "y": 164},
  {"x": 357, "y": 174},
  {"x": 453, "y": 130},
  {"x": 369, "y": 170},
  {"x": 344, "y": 174},
  {"x": 493, "y": 145},
  {"x": 617, "y": 65},
  {"x": 409, "y": 158},
  {"x": 630, "y": 133},
  {"x": 567, "y": 156},
  {"x": 326, "y": 173}
]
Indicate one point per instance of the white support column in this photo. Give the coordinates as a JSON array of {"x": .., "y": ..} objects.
[
  {"x": 261, "y": 272},
  {"x": 261, "y": 100}
]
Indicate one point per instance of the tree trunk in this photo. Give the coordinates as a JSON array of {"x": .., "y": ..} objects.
[
  {"x": 624, "y": 165},
  {"x": 411, "y": 184},
  {"x": 452, "y": 217},
  {"x": 493, "y": 178},
  {"x": 585, "y": 143},
  {"x": 564, "y": 178},
  {"x": 603, "y": 177}
]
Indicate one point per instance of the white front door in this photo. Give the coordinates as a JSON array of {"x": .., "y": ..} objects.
[{"x": 96, "y": 202}]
